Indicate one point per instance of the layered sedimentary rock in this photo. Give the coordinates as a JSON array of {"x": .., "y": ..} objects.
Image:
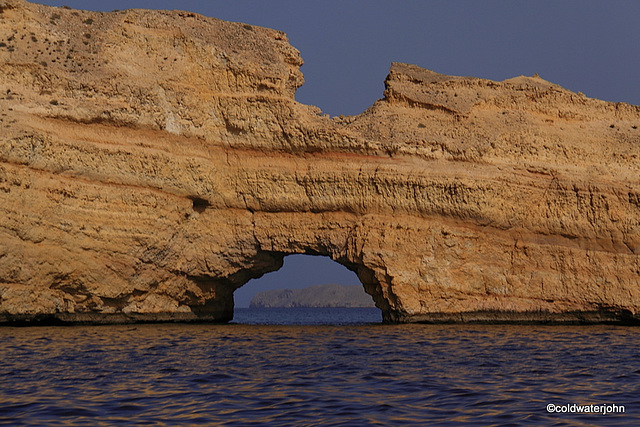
[
  {"x": 317, "y": 296},
  {"x": 153, "y": 162}
]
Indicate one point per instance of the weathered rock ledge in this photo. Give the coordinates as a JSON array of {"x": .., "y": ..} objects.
[{"x": 153, "y": 162}]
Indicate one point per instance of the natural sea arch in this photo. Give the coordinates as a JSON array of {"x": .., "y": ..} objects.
[{"x": 301, "y": 270}]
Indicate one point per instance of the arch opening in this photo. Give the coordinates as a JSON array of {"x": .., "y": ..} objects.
[{"x": 307, "y": 289}]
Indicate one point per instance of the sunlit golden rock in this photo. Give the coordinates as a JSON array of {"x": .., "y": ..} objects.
[{"x": 153, "y": 162}]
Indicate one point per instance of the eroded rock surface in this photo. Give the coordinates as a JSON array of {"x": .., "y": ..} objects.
[{"x": 152, "y": 162}]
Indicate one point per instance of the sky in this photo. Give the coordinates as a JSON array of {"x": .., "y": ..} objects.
[{"x": 348, "y": 45}]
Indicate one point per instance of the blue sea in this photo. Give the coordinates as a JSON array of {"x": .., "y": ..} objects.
[{"x": 294, "y": 367}]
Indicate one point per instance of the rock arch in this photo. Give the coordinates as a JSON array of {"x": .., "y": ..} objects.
[
  {"x": 303, "y": 275},
  {"x": 149, "y": 193},
  {"x": 272, "y": 246}
]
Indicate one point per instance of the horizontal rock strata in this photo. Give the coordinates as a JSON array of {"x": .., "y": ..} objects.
[{"x": 153, "y": 162}]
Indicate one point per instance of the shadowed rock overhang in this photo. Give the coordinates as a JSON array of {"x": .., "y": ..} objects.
[{"x": 152, "y": 162}]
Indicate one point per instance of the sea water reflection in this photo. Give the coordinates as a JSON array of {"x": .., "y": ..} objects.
[{"x": 363, "y": 374}]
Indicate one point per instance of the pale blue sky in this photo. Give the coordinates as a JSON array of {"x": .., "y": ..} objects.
[{"x": 347, "y": 45}]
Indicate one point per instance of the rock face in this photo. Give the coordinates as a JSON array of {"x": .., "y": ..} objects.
[
  {"x": 329, "y": 295},
  {"x": 153, "y": 162}
]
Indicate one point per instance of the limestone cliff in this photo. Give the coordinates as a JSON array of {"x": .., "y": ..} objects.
[
  {"x": 153, "y": 162},
  {"x": 317, "y": 296}
]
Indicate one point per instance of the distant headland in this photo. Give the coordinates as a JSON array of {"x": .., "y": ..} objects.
[{"x": 327, "y": 295}]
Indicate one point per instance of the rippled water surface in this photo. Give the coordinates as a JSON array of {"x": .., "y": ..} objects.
[{"x": 352, "y": 373}]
